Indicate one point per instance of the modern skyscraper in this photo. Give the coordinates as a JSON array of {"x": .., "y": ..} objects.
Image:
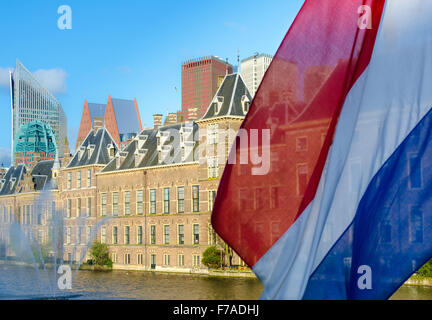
[
  {"x": 199, "y": 84},
  {"x": 30, "y": 101},
  {"x": 253, "y": 70}
]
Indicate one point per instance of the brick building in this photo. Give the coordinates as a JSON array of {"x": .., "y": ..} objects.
[{"x": 200, "y": 78}]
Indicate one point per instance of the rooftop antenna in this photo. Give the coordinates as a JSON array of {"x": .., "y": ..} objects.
[{"x": 238, "y": 60}]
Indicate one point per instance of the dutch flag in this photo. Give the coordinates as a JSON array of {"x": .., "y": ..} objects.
[{"x": 345, "y": 209}]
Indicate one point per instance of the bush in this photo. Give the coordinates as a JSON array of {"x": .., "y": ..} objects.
[
  {"x": 212, "y": 257},
  {"x": 426, "y": 270},
  {"x": 99, "y": 254}
]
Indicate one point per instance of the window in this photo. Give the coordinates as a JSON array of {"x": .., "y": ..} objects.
[
  {"x": 153, "y": 201},
  {"x": 212, "y": 133},
  {"x": 140, "y": 259},
  {"x": 211, "y": 235},
  {"x": 180, "y": 199},
  {"x": 301, "y": 144},
  {"x": 274, "y": 197},
  {"x": 103, "y": 204},
  {"x": 212, "y": 168},
  {"x": 195, "y": 198},
  {"x": 88, "y": 207},
  {"x": 127, "y": 235},
  {"x": 103, "y": 234},
  {"x": 259, "y": 198},
  {"x": 196, "y": 234},
  {"x": 69, "y": 181},
  {"x": 196, "y": 260},
  {"x": 415, "y": 171},
  {"x": 139, "y": 206},
  {"x": 115, "y": 235},
  {"x": 166, "y": 199},
  {"x": 88, "y": 234},
  {"x": 78, "y": 209},
  {"x": 114, "y": 257},
  {"x": 302, "y": 172},
  {"x": 166, "y": 259},
  {"x": 88, "y": 178},
  {"x": 153, "y": 261},
  {"x": 152, "y": 234},
  {"x": 181, "y": 260},
  {"x": 416, "y": 224},
  {"x": 127, "y": 258},
  {"x": 79, "y": 235},
  {"x": 68, "y": 235},
  {"x": 127, "y": 202},
  {"x": 212, "y": 198},
  {"x": 79, "y": 180},
  {"x": 115, "y": 203},
  {"x": 181, "y": 234},
  {"x": 69, "y": 208},
  {"x": 139, "y": 235},
  {"x": 166, "y": 234}
]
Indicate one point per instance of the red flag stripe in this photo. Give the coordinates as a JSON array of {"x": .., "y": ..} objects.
[{"x": 299, "y": 100}]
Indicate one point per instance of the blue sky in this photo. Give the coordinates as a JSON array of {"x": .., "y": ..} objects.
[{"x": 129, "y": 48}]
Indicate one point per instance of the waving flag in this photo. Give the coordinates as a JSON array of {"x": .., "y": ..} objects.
[{"x": 345, "y": 210}]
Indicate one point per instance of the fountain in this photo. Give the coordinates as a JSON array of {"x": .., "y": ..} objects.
[{"x": 32, "y": 246}]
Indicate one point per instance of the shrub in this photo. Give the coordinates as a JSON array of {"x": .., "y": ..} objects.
[
  {"x": 100, "y": 255},
  {"x": 426, "y": 270},
  {"x": 212, "y": 257}
]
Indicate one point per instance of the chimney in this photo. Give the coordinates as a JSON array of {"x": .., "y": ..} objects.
[
  {"x": 193, "y": 114},
  {"x": 157, "y": 120},
  {"x": 171, "y": 119}
]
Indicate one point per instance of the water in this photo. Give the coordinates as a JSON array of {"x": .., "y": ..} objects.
[{"x": 16, "y": 282}]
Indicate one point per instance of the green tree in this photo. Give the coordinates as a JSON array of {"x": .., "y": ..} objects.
[
  {"x": 212, "y": 257},
  {"x": 100, "y": 255},
  {"x": 426, "y": 270}
]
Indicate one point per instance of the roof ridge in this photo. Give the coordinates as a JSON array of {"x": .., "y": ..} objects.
[{"x": 233, "y": 94}]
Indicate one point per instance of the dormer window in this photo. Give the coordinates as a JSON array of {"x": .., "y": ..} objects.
[
  {"x": 141, "y": 140},
  {"x": 245, "y": 104},
  {"x": 81, "y": 152},
  {"x": 111, "y": 151},
  {"x": 218, "y": 104},
  {"x": 139, "y": 156},
  {"x": 90, "y": 149}
]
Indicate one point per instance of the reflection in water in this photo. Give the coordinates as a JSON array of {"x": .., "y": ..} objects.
[
  {"x": 134, "y": 285},
  {"x": 16, "y": 283}
]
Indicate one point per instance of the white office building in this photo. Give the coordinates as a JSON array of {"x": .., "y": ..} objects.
[{"x": 253, "y": 70}]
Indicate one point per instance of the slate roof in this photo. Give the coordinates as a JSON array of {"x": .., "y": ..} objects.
[
  {"x": 94, "y": 149},
  {"x": 230, "y": 97},
  {"x": 11, "y": 179},
  {"x": 144, "y": 150},
  {"x": 42, "y": 174}
]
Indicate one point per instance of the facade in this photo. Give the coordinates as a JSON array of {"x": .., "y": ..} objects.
[
  {"x": 200, "y": 78},
  {"x": 120, "y": 116},
  {"x": 253, "y": 70},
  {"x": 30, "y": 101},
  {"x": 151, "y": 202},
  {"x": 34, "y": 141}
]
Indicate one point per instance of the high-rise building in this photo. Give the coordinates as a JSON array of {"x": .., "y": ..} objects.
[
  {"x": 200, "y": 79},
  {"x": 35, "y": 141},
  {"x": 30, "y": 101},
  {"x": 253, "y": 70},
  {"x": 119, "y": 116}
]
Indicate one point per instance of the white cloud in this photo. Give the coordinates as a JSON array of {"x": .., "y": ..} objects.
[
  {"x": 4, "y": 77},
  {"x": 54, "y": 80}
]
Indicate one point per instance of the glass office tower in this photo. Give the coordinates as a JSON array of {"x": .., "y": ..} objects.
[{"x": 30, "y": 101}]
